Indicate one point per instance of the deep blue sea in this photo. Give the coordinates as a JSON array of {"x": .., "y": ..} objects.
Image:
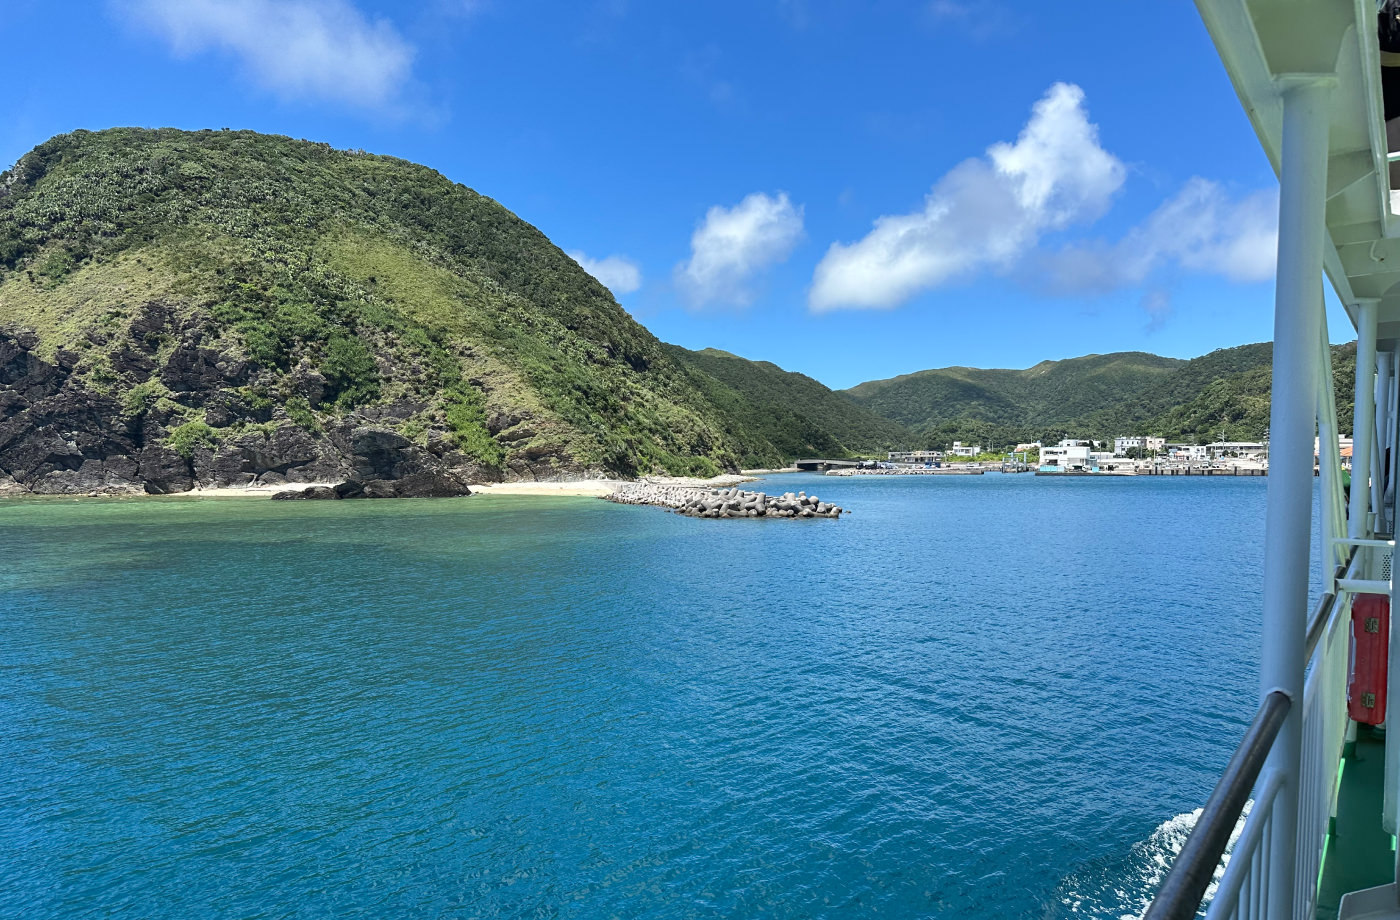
[{"x": 974, "y": 697}]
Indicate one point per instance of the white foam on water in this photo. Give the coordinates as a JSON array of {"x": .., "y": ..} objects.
[{"x": 1122, "y": 888}]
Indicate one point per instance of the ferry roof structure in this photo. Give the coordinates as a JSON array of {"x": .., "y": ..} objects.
[{"x": 1268, "y": 47}]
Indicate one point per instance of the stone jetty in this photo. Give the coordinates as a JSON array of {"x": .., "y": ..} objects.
[{"x": 724, "y": 503}]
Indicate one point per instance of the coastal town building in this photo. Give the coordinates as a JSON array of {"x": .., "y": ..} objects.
[
  {"x": 1109, "y": 462},
  {"x": 1343, "y": 446},
  {"x": 964, "y": 450},
  {"x": 1069, "y": 455},
  {"x": 1243, "y": 450},
  {"x": 915, "y": 456},
  {"x": 1146, "y": 444},
  {"x": 1188, "y": 453}
]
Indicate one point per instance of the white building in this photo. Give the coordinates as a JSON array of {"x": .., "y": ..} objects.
[
  {"x": 915, "y": 456},
  {"x": 1243, "y": 450},
  {"x": 1343, "y": 445},
  {"x": 1191, "y": 453},
  {"x": 1067, "y": 456},
  {"x": 1146, "y": 444},
  {"x": 959, "y": 450}
]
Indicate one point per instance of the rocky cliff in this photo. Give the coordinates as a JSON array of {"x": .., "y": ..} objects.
[{"x": 60, "y": 435}]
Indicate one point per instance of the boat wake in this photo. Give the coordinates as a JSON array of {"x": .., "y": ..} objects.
[{"x": 1121, "y": 887}]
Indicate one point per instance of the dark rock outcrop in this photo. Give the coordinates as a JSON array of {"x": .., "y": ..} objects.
[
  {"x": 418, "y": 485},
  {"x": 62, "y": 433},
  {"x": 310, "y": 493}
]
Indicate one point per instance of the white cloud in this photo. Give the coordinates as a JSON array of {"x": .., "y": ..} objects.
[
  {"x": 986, "y": 213},
  {"x": 298, "y": 49},
  {"x": 732, "y": 245},
  {"x": 1200, "y": 229},
  {"x": 618, "y": 274}
]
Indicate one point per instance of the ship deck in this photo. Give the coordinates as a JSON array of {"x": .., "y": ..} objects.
[{"x": 1360, "y": 854}]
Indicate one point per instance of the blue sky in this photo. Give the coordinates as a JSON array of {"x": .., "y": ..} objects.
[{"x": 848, "y": 189}]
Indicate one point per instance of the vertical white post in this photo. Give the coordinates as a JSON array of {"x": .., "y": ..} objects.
[
  {"x": 1363, "y": 420},
  {"x": 1388, "y": 443},
  {"x": 1292, "y": 424},
  {"x": 1382, "y": 401},
  {"x": 1384, "y": 365},
  {"x": 1332, "y": 516}
]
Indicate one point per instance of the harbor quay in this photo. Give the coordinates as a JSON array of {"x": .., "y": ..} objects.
[{"x": 1123, "y": 456}]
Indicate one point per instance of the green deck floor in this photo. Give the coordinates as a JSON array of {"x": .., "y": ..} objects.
[{"x": 1359, "y": 853}]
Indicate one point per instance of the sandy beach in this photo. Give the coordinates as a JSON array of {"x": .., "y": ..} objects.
[{"x": 590, "y": 488}]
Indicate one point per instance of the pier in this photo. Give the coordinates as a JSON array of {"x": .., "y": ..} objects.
[
  {"x": 909, "y": 471},
  {"x": 1204, "y": 471}
]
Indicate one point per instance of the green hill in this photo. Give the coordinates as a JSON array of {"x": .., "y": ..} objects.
[
  {"x": 797, "y": 415},
  {"x": 201, "y": 307},
  {"x": 1224, "y": 394},
  {"x": 1048, "y": 394},
  {"x": 1237, "y": 404}
]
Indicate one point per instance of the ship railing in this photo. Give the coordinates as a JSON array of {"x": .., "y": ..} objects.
[
  {"x": 1235, "y": 885},
  {"x": 1273, "y": 869}
]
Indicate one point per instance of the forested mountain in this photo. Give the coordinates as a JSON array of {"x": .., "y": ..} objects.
[
  {"x": 1221, "y": 395},
  {"x": 1050, "y": 393},
  {"x": 797, "y": 415}
]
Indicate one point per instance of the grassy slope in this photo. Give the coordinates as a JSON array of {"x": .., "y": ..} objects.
[
  {"x": 395, "y": 284},
  {"x": 796, "y": 414}
]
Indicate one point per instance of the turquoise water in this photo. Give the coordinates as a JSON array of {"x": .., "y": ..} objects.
[{"x": 974, "y": 697}]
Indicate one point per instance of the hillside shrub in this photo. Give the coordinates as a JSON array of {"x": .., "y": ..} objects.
[
  {"x": 466, "y": 423},
  {"x": 190, "y": 436},
  {"x": 351, "y": 372}
]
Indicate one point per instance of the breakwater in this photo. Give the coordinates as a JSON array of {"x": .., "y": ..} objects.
[{"x": 724, "y": 503}]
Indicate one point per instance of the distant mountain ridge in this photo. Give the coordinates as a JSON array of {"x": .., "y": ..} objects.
[
  {"x": 1223, "y": 394},
  {"x": 798, "y": 416},
  {"x": 1049, "y": 393}
]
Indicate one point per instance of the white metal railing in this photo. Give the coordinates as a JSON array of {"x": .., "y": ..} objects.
[
  {"x": 1243, "y": 890},
  {"x": 1245, "y": 863},
  {"x": 1324, "y": 733},
  {"x": 1243, "y": 893},
  {"x": 1300, "y": 795}
]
